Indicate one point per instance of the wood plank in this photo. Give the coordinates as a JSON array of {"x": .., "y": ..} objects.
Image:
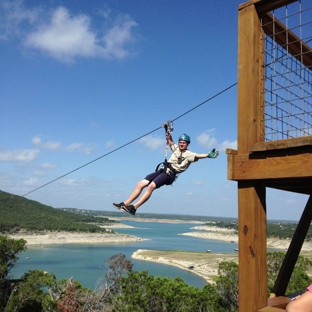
[
  {"x": 283, "y": 167},
  {"x": 266, "y": 5},
  {"x": 281, "y": 144},
  {"x": 270, "y": 5}
]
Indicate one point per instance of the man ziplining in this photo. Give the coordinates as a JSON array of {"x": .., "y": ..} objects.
[{"x": 179, "y": 161}]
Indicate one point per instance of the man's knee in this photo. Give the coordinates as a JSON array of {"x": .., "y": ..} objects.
[
  {"x": 151, "y": 187},
  {"x": 141, "y": 184}
]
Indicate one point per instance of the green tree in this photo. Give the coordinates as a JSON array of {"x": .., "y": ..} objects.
[
  {"x": 141, "y": 292},
  {"x": 227, "y": 284},
  {"x": 30, "y": 294},
  {"x": 9, "y": 248},
  {"x": 299, "y": 279}
]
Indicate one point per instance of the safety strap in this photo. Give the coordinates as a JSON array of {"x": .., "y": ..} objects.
[
  {"x": 168, "y": 126},
  {"x": 166, "y": 166},
  {"x": 168, "y": 129}
]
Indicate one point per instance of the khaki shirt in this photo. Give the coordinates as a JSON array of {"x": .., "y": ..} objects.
[{"x": 187, "y": 157}]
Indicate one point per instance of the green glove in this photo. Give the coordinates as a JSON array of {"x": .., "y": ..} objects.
[{"x": 213, "y": 154}]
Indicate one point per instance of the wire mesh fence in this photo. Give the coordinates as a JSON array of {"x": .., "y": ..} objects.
[{"x": 288, "y": 72}]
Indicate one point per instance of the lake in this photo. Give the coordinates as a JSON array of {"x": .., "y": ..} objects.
[{"x": 86, "y": 262}]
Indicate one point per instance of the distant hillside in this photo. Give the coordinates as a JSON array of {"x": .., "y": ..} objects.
[{"x": 19, "y": 213}]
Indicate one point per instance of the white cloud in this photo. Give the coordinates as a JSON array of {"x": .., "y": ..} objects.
[
  {"x": 58, "y": 146},
  {"x": 197, "y": 182},
  {"x": 31, "y": 182},
  {"x": 207, "y": 139},
  {"x": 64, "y": 36},
  {"x": 80, "y": 147},
  {"x": 26, "y": 155},
  {"x": 228, "y": 144},
  {"x": 39, "y": 173},
  {"x": 47, "y": 166},
  {"x": 49, "y": 145},
  {"x": 116, "y": 37},
  {"x": 153, "y": 143},
  {"x": 12, "y": 14},
  {"x": 109, "y": 144},
  {"x": 73, "y": 182}
]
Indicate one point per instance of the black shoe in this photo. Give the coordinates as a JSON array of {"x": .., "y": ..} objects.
[
  {"x": 119, "y": 206},
  {"x": 130, "y": 209}
]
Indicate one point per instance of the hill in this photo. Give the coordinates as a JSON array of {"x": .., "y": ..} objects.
[{"x": 19, "y": 213}]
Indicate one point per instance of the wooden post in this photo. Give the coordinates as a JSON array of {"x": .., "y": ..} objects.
[
  {"x": 251, "y": 194},
  {"x": 252, "y": 276}
]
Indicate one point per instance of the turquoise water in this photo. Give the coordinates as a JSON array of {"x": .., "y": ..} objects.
[{"x": 86, "y": 263}]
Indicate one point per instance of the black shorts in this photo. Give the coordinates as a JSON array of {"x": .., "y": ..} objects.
[{"x": 161, "y": 178}]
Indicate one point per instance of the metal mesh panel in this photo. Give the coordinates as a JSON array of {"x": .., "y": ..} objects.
[{"x": 288, "y": 72}]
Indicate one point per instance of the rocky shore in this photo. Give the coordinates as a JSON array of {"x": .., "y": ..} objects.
[{"x": 75, "y": 238}]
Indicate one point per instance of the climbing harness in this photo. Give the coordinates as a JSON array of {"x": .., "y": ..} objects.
[{"x": 168, "y": 129}]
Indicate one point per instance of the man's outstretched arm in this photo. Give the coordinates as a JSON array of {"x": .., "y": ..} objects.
[{"x": 212, "y": 154}]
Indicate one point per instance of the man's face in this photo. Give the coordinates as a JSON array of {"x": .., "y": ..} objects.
[{"x": 183, "y": 145}]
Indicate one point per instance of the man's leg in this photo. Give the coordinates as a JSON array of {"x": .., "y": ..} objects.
[
  {"x": 147, "y": 194},
  {"x": 136, "y": 192}
]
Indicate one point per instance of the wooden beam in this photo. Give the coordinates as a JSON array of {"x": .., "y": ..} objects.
[
  {"x": 251, "y": 194},
  {"x": 270, "y": 5},
  {"x": 250, "y": 79},
  {"x": 243, "y": 167},
  {"x": 293, "y": 251},
  {"x": 266, "y": 5},
  {"x": 282, "y": 144},
  {"x": 287, "y": 39}
]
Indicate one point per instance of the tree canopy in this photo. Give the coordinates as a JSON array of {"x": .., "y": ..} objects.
[{"x": 18, "y": 213}]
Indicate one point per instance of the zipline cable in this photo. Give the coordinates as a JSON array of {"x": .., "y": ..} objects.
[{"x": 124, "y": 145}]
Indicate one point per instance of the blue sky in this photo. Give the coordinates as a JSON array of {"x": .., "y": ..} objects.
[{"x": 82, "y": 78}]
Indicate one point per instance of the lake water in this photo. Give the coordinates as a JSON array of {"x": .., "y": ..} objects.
[{"x": 86, "y": 262}]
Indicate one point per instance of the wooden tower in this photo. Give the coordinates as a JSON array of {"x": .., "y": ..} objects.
[{"x": 274, "y": 136}]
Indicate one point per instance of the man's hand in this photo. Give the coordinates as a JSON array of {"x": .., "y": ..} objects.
[{"x": 213, "y": 154}]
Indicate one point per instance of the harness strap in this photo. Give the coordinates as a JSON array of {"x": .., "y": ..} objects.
[{"x": 166, "y": 165}]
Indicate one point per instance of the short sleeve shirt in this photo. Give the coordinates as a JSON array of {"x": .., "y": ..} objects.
[{"x": 187, "y": 157}]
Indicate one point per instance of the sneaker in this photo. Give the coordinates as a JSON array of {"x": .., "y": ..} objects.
[
  {"x": 130, "y": 209},
  {"x": 119, "y": 206}
]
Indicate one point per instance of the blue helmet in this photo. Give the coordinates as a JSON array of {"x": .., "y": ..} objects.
[{"x": 185, "y": 137}]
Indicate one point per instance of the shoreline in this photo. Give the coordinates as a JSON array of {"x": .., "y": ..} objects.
[
  {"x": 202, "y": 264},
  {"x": 200, "y": 231},
  {"x": 227, "y": 235},
  {"x": 58, "y": 238}
]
